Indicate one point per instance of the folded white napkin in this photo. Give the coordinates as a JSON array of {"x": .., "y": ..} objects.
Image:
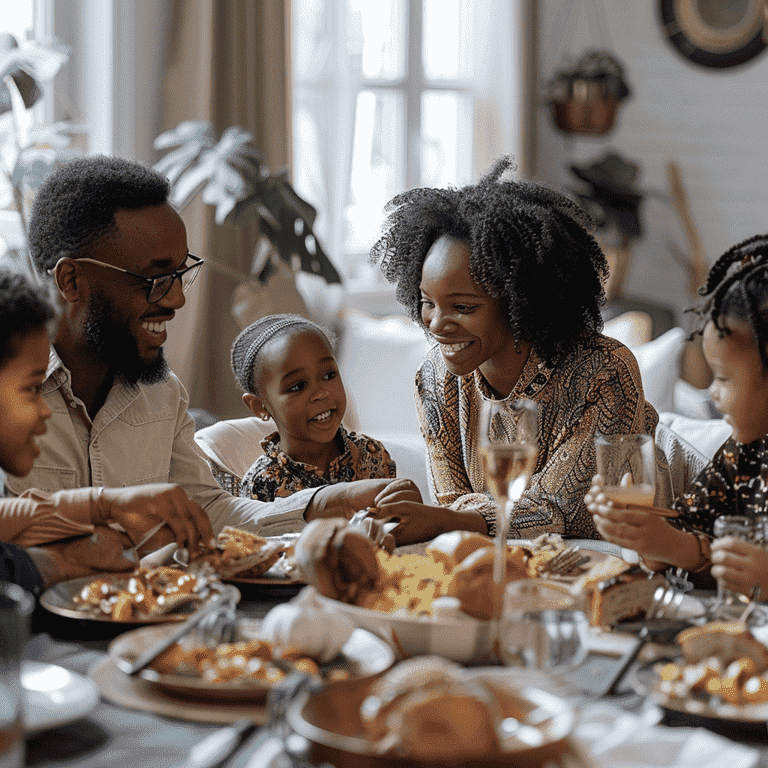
[{"x": 613, "y": 738}]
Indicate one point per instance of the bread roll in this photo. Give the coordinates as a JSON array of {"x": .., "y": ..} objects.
[
  {"x": 726, "y": 640},
  {"x": 337, "y": 559},
  {"x": 472, "y": 580},
  {"x": 452, "y": 547}
]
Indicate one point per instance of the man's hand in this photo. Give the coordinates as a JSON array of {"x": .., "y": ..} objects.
[
  {"x": 344, "y": 499},
  {"x": 140, "y": 508},
  {"x": 100, "y": 552}
]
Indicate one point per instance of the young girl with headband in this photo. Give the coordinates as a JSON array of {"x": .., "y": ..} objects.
[
  {"x": 734, "y": 322},
  {"x": 289, "y": 373}
]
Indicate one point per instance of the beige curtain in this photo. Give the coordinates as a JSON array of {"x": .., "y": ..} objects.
[{"x": 226, "y": 63}]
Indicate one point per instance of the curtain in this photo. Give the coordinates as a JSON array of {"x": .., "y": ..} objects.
[{"x": 226, "y": 63}]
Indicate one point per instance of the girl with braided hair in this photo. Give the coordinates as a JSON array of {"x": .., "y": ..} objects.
[
  {"x": 734, "y": 322},
  {"x": 288, "y": 372},
  {"x": 504, "y": 276}
]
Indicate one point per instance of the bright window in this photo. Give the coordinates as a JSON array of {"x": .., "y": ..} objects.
[{"x": 401, "y": 75}]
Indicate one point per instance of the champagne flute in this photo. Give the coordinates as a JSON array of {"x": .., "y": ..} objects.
[
  {"x": 507, "y": 439},
  {"x": 627, "y": 464}
]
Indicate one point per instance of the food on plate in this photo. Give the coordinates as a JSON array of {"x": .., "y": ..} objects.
[
  {"x": 307, "y": 625},
  {"x": 722, "y": 661},
  {"x": 616, "y": 592},
  {"x": 343, "y": 564},
  {"x": 146, "y": 593},
  {"x": 243, "y": 663},
  {"x": 431, "y": 709},
  {"x": 243, "y": 554},
  {"x": 338, "y": 559}
]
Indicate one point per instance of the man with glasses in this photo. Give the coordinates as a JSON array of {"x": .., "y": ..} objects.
[{"x": 104, "y": 231}]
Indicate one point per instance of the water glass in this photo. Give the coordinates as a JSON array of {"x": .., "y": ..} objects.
[
  {"x": 16, "y": 607},
  {"x": 542, "y": 627},
  {"x": 752, "y": 529},
  {"x": 627, "y": 464}
]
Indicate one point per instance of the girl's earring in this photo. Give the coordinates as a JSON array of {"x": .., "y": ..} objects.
[
  {"x": 265, "y": 417},
  {"x": 518, "y": 347}
]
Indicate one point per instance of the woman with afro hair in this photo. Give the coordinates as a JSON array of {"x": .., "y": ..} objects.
[{"x": 506, "y": 279}]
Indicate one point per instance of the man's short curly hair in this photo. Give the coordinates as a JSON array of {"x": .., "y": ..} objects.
[
  {"x": 529, "y": 244},
  {"x": 75, "y": 206},
  {"x": 24, "y": 309}
]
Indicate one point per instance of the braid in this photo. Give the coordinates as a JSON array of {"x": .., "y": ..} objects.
[
  {"x": 529, "y": 245},
  {"x": 250, "y": 342},
  {"x": 737, "y": 286}
]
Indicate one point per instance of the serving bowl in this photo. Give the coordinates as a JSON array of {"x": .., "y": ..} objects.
[{"x": 329, "y": 720}]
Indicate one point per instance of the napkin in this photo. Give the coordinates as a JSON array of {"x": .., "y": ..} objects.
[{"x": 613, "y": 738}]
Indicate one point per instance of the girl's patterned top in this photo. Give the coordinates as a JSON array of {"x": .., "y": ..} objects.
[
  {"x": 277, "y": 474},
  {"x": 595, "y": 389},
  {"x": 736, "y": 483}
]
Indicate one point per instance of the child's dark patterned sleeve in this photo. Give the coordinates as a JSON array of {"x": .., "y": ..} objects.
[{"x": 711, "y": 494}]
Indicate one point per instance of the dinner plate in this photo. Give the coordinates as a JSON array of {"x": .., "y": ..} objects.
[
  {"x": 644, "y": 680},
  {"x": 54, "y": 696},
  {"x": 60, "y": 599},
  {"x": 363, "y": 655}
]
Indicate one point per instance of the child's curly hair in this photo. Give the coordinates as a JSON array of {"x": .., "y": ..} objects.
[
  {"x": 529, "y": 244},
  {"x": 737, "y": 287}
]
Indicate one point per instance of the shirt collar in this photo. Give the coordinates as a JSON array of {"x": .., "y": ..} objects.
[{"x": 533, "y": 378}]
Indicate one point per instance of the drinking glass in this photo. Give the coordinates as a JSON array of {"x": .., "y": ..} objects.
[
  {"x": 542, "y": 627},
  {"x": 507, "y": 440},
  {"x": 752, "y": 529},
  {"x": 627, "y": 464},
  {"x": 16, "y": 607}
]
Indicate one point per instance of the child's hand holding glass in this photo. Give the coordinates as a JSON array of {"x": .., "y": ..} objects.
[{"x": 740, "y": 566}]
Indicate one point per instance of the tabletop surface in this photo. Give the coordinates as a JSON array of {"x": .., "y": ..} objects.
[{"x": 124, "y": 738}]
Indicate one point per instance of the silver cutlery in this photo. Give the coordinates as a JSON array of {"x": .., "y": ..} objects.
[{"x": 214, "y": 749}]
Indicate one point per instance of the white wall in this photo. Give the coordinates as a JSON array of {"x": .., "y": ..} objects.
[{"x": 714, "y": 123}]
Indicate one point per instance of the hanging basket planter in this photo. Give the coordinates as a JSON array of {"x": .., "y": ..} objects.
[{"x": 585, "y": 98}]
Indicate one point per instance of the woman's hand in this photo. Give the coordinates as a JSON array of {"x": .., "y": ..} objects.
[{"x": 740, "y": 566}]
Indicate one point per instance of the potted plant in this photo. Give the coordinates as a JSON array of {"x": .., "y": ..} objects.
[{"x": 585, "y": 97}]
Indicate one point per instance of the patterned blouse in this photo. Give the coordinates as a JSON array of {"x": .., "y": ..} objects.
[
  {"x": 595, "y": 389},
  {"x": 736, "y": 483},
  {"x": 277, "y": 474}
]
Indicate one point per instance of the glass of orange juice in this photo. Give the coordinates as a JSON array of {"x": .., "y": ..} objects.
[{"x": 627, "y": 464}]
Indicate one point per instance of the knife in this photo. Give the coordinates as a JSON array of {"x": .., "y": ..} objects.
[
  {"x": 220, "y": 745},
  {"x": 216, "y": 603}
]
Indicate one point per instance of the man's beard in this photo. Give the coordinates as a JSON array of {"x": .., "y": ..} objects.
[{"x": 116, "y": 346}]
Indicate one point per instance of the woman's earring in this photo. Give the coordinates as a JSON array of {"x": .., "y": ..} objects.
[
  {"x": 265, "y": 417},
  {"x": 518, "y": 347}
]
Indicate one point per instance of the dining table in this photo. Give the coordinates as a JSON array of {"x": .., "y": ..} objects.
[{"x": 123, "y": 735}]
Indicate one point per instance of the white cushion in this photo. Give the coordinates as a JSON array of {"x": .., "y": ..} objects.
[
  {"x": 630, "y": 328},
  {"x": 234, "y": 444},
  {"x": 659, "y": 363},
  {"x": 378, "y": 359},
  {"x": 706, "y": 435}
]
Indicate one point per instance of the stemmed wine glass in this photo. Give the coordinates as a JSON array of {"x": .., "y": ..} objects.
[{"x": 507, "y": 440}]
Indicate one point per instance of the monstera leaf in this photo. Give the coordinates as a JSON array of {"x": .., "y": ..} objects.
[{"x": 232, "y": 176}]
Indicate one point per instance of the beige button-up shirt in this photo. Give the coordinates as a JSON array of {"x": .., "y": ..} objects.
[{"x": 142, "y": 434}]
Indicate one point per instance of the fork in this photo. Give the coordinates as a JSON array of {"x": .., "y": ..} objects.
[
  {"x": 664, "y": 598},
  {"x": 567, "y": 562}
]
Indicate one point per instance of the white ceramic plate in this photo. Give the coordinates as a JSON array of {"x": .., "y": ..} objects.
[
  {"x": 364, "y": 655},
  {"x": 54, "y": 696}
]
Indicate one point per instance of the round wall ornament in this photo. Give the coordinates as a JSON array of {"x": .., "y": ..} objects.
[{"x": 716, "y": 34}]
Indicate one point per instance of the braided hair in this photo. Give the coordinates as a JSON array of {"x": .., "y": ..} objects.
[
  {"x": 250, "y": 343},
  {"x": 529, "y": 245},
  {"x": 737, "y": 287}
]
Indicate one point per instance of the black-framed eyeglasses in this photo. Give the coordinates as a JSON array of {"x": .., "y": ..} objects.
[{"x": 158, "y": 286}]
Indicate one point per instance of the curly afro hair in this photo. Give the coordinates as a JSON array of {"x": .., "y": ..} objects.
[
  {"x": 24, "y": 309},
  {"x": 529, "y": 244},
  {"x": 75, "y": 206},
  {"x": 737, "y": 287}
]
